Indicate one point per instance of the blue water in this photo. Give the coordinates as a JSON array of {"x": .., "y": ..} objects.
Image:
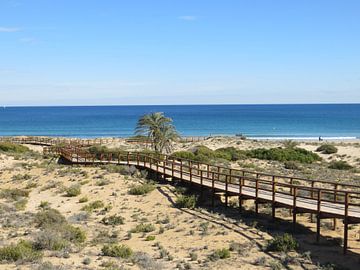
[{"x": 285, "y": 121}]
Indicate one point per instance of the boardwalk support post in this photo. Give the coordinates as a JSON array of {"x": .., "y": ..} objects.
[{"x": 318, "y": 216}]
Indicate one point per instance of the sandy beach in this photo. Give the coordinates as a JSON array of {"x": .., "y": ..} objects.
[{"x": 184, "y": 238}]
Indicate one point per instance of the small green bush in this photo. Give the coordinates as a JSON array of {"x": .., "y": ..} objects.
[
  {"x": 49, "y": 217},
  {"x": 141, "y": 189},
  {"x": 113, "y": 220},
  {"x": 13, "y": 148},
  {"x": 327, "y": 149},
  {"x": 150, "y": 238},
  {"x": 120, "y": 251},
  {"x": 14, "y": 194},
  {"x": 83, "y": 199},
  {"x": 284, "y": 154},
  {"x": 282, "y": 243},
  {"x": 23, "y": 251},
  {"x": 186, "y": 201},
  {"x": 144, "y": 228},
  {"x": 73, "y": 191},
  {"x": 291, "y": 165},
  {"x": 93, "y": 205},
  {"x": 223, "y": 253},
  {"x": 21, "y": 204},
  {"x": 340, "y": 165},
  {"x": 183, "y": 155}
]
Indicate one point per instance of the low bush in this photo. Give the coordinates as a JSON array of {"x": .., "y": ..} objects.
[
  {"x": 22, "y": 251},
  {"x": 223, "y": 253},
  {"x": 186, "y": 201},
  {"x": 83, "y": 199},
  {"x": 14, "y": 194},
  {"x": 93, "y": 206},
  {"x": 21, "y": 204},
  {"x": 141, "y": 189},
  {"x": 13, "y": 148},
  {"x": 327, "y": 149},
  {"x": 120, "y": 251},
  {"x": 282, "y": 243},
  {"x": 284, "y": 154},
  {"x": 291, "y": 165},
  {"x": 150, "y": 238},
  {"x": 183, "y": 155},
  {"x": 58, "y": 237},
  {"x": 113, "y": 220},
  {"x": 144, "y": 228},
  {"x": 49, "y": 217},
  {"x": 73, "y": 191},
  {"x": 340, "y": 165}
]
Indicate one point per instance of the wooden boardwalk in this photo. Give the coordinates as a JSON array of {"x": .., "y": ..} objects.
[{"x": 324, "y": 199}]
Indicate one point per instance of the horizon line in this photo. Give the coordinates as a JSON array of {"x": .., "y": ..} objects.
[{"x": 194, "y": 104}]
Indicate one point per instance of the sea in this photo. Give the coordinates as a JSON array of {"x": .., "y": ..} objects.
[{"x": 303, "y": 121}]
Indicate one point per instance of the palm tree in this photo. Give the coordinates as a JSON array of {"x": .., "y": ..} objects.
[{"x": 158, "y": 129}]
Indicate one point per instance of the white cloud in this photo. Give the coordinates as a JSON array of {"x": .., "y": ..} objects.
[
  {"x": 188, "y": 18},
  {"x": 9, "y": 29}
]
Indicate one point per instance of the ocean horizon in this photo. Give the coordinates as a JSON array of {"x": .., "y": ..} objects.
[{"x": 272, "y": 121}]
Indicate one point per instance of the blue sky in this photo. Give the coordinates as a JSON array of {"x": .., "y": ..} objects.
[{"x": 90, "y": 52}]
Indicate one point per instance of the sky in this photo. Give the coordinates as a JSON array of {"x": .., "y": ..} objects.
[{"x": 121, "y": 52}]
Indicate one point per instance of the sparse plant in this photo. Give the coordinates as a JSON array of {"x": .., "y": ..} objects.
[
  {"x": 144, "y": 228},
  {"x": 142, "y": 189},
  {"x": 340, "y": 165},
  {"x": 73, "y": 191},
  {"x": 223, "y": 253},
  {"x": 22, "y": 251},
  {"x": 282, "y": 243},
  {"x": 113, "y": 220},
  {"x": 93, "y": 206},
  {"x": 186, "y": 201},
  {"x": 120, "y": 251},
  {"x": 327, "y": 149}
]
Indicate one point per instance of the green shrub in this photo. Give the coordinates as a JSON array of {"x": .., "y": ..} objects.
[
  {"x": 230, "y": 153},
  {"x": 144, "y": 228},
  {"x": 327, "y": 149},
  {"x": 23, "y": 251},
  {"x": 282, "y": 243},
  {"x": 142, "y": 189},
  {"x": 183, "y": 155},
  {"x": 340, "y": 165},
  {"x": 83, "y": 199},
  {"x": 14, "y": 194},
  {"x": 49, "y": 217},
  {"x": 223, "y": 253},
  {"x": 13, "y": 148},
  {"x": 291, "y": 165},
  {"x": 284, "y": 154},
  {"x": 150, "y": 238},
  {"x": 120, "y": 251},
  {"x": 186, "y": 201},
  {"x": 93, "y": 205},
  {"x": 73, "y": 191},
  {"x": 113, "y": 220},
  {"x": 21, "y": 204}
]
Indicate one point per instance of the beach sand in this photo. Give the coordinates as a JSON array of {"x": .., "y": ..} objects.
[{"x": 183, "y": 233}]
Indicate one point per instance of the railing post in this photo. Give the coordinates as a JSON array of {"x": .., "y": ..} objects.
[
  {"x": 201, "y": 183},
  {"x": 240, "y": 193},
  {"x": 294, "y": 205},
  {"x": 346, "y": 222},
  {"x": 256, "y": 196},
  {"x": 213, "y": 190},
  {"x": 137, "y": 158},
  {"x": 128, "y": 158},
  {"x": 318, "y": 216},
  {"x": 273, "y": 189},
  {"x": 226, "y": 191},
  {"x": 181, "y": 169},
  {"x": 335, "y": 200},
  {"x": 172, "y": 169},
  {"x": 208, "y": 169}
]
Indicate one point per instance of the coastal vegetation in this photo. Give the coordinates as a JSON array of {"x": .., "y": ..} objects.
[
  {"x": 159, "y": 130},
  {"x": 327, "y": 149},
  {"x": 205, "y": 154}
]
